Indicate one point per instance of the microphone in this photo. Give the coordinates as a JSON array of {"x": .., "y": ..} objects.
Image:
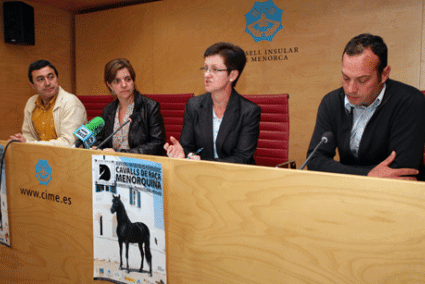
[
  {"x": 86, "y": 134},
  {"x": 130, "y": 119},
  {"x": 326, "y": 137}
]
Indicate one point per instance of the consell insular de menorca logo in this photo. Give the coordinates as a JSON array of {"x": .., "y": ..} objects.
[{"x": 263, "y": 21}]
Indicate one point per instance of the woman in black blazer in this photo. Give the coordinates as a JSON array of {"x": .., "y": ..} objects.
[
  {"x": 145, "y": 134},
  {"x": 219, "y": 125}
]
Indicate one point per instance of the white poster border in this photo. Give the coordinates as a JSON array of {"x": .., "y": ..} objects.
[{"x": 137, "y": 185}]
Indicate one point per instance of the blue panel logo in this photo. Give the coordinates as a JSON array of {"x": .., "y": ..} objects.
[
  {"x": 43, "y": 172},
  {"x": 263, "y": 21}
]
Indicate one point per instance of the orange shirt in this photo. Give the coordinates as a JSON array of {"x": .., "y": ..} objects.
[{"x": 42, "y": 119}]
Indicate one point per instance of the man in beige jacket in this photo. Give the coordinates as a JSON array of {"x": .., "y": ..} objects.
[{"x": 52, "y": 116}]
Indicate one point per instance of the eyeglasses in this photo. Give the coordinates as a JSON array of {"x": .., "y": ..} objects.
[{"x": 213, "y": 70}]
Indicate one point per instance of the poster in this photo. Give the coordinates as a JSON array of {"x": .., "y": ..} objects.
[
  {"x": 4, "y": 218},
  {"x": 128, "y": 207}
]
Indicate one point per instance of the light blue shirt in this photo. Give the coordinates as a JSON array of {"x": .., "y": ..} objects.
[
  {"x": 361, "y": 116},
  {"x": 216, "y": 128}
]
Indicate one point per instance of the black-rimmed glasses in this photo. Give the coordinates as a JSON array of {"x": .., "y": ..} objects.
[{"x": 213, "y": 70}]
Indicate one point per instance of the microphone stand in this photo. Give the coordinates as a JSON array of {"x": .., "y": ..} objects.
[
  {"x": 110, "y": 136},
  {"x": 324, "y": 140}
]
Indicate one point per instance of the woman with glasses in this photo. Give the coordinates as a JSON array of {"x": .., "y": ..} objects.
[
  {"x": 145, "y": 134},
  {"x": 219, "y": 125}
]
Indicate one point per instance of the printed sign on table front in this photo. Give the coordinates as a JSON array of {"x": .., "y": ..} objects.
[
  {"x": 128, "y": 219},
  {"x": 4, "y": 219}
]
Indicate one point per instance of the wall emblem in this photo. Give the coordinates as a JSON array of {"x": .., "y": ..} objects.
[
  {"x": 43, "y": 172},
  {"x": 263, "y": 21}
]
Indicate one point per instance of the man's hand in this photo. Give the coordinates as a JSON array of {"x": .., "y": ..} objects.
[
  {"x": 175, "y": 150},
  {"x": 19, "y": 137},
  {"x": 383, "y": 170}
]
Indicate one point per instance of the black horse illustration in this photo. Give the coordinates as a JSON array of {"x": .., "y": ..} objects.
[{"x": 129, "y": 232}]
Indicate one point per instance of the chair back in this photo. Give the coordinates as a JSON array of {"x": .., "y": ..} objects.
[
  {"x": 172, "y": 109},
  {"x": 94, "y": 104},
  {"x": 273, "y": 143}
]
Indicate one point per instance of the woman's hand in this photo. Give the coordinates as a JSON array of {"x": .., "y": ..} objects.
[{"x": 175, "y": 150}]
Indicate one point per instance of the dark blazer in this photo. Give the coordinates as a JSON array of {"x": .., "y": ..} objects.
[
  {"x": 147, "y": 131},
  {"x": 238, "y": 134}
]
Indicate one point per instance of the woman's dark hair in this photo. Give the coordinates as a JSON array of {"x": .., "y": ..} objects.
[{"x": 234, "y": 57}]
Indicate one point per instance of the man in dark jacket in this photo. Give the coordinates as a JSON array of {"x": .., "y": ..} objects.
[{"x": 378, "y": 124}]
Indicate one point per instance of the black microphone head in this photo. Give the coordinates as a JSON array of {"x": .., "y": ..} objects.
[{"x": 327, "y": 136}]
